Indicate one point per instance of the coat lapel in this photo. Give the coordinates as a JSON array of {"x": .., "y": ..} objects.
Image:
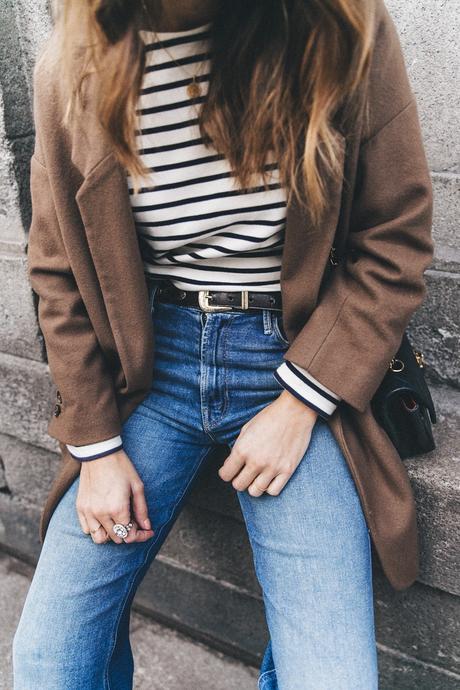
[{"x": 104, "y": 205}]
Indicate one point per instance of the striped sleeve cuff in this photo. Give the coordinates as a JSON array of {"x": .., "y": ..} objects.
[
  {"x": 306, "y": 388},
  {"x": 92, "y": 451}
]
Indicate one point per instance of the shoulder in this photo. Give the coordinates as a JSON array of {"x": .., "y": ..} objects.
[
  {"x": 57, "y": 137},
  {"x": 45, "y": 81},
  {"x": 388, "y": 89},
  {"x": 49, "y": 97}
]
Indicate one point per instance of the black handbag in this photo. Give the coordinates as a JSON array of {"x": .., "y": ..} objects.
[{"x": 402, "y": 404}]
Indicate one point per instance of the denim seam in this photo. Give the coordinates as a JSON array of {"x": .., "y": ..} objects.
[
  {"x": 204, "y": 383},
  {"x": 263, "y": 677},
  {"x": 227, "y": 325},
  {"x": 204, "y": 379},
  {"x": 125, "y": 599},
  {"x": 267, "y": 320}
]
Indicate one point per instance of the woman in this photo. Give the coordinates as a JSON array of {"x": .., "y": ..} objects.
[{"x": 230, "y": 229}]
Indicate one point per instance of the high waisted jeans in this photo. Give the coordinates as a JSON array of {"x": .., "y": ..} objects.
[{"x": 311, "y": 545}]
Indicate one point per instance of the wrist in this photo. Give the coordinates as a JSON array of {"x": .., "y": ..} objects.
[
  {"x": 106, "y": 459},
  {"x": 294, "y": 405}
]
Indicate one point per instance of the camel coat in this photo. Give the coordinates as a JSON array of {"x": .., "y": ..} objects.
[{"x": 344, "y": 323}]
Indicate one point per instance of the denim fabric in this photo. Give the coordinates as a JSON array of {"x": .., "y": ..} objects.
[{"x": 311, "y": 546}]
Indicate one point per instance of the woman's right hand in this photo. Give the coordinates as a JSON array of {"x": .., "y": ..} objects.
[{"x": 111, "y": 491}]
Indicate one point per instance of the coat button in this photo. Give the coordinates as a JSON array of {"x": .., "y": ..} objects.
[
  {"x": 58, "y": 396},
  {"x": 57, "y": 410}
]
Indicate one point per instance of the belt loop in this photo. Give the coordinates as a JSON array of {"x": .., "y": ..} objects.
[{"x": 267, "y": 318}]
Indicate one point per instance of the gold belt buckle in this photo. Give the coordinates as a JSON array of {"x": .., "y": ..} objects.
[{"x": 203, "y": 301}]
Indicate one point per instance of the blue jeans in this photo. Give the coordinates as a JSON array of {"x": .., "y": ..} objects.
[{"x": 311, "y": 545}]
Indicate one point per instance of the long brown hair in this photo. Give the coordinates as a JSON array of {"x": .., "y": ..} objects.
[{"x": 281, "y": 70}]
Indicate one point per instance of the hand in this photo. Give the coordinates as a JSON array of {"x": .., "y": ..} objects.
[
  {"x": 270, "y": 446},
  {"x": 107, "y": 487}
]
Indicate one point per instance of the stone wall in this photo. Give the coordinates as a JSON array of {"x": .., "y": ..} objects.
[{"x": 203, "y": 581}]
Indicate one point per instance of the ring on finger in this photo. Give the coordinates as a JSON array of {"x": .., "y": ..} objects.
[
  {"x": 96, "y": 529},
  {"x": 121, "y": 530}
]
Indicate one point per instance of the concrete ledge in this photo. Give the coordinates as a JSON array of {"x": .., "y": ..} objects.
[
  {"x": 420, "y": 622},
  {"x": 398, "y": 672},
  {"x": 213, "y": 516},
  {"x": 18, "y": 321},
  {"x": 212, "y": 611},
  {"x": 435, "y": 327},
  {"x": 436, "y": 482},
  {"x": 211, "y": 593},
  {"x": 446, "y": 231},
  {"x": 26, "y": 400}
]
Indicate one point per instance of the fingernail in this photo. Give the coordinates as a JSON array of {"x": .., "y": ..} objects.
[{"x": 147, "y": 524}]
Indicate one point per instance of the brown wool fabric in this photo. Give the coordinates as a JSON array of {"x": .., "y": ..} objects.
[{"x": 85, "y": 265}]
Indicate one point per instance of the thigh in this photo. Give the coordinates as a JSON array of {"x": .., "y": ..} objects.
[
  {"x": 312, "y": 556},
  {"x": 80, "y": 590}
]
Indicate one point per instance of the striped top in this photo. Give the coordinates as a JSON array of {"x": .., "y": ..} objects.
[{"x": 196, "y": 225}]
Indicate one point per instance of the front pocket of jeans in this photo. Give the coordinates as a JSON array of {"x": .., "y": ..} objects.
[{"x": 278, "y": 329}]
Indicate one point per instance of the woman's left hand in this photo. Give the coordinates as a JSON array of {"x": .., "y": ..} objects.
[{"x": 270, "y": 446}]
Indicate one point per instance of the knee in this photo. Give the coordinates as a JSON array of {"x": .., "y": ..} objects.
[
  {"x": 25, "y": 649},
  {"x": 22, "y": 655},
  {"x": 32, "y": 651}
]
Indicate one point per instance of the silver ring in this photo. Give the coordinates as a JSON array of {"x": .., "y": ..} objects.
[{"x": 122, "y": 531}]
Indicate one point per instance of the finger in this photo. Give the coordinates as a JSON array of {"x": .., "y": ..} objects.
[
  {"x": 140, "y": 509},
  {"x": 132, "y": 534},
  {"x": 232, "y": 465},
  {"x": 137, "y": 535},
  {"x": 246, "y": 477},
  {"x": 279, "y": 482},
  {"x": 122, "y": 517},
  {"x": 260, "y": 483},
  {"x": 97, "y": 531},
  {"x": 108, "y": 523},
  {"x": 83, "y": 522}
]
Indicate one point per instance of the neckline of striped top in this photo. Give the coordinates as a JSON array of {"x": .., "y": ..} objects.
[{"x": 149, "y": 36}]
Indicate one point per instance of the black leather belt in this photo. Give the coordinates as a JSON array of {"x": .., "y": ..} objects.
[{"x": 217, "y": 300}]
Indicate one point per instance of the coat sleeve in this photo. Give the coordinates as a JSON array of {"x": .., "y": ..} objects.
[
  {"x": 86, "y": 405},
  {"x": 357, "y": 325},
  {"x": 86, "y": 409}
]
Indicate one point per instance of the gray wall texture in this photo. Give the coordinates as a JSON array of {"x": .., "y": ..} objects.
[{"x": 196, "y": 585}]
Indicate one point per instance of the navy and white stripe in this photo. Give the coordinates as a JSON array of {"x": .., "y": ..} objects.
[
  {"x": 195, "y": 225},
  {"x": 91, "y": 451},
  {"x": 306, "y": 388}
]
